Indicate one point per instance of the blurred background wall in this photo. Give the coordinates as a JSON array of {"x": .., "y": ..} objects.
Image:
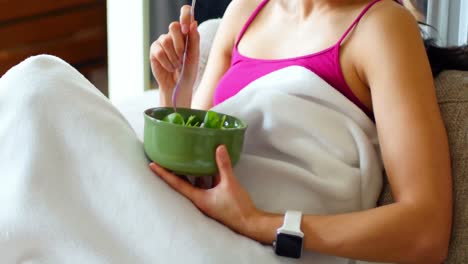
[
  {"x": 74, "y": 30},
  {"x": 165, "y": 11}
]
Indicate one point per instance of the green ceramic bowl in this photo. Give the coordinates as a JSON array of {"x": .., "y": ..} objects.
[{"x": 189, "y": 150}]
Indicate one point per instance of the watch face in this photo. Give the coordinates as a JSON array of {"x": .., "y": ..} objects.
[{"x": 288, "y": 245}]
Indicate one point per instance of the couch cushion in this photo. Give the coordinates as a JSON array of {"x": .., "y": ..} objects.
[{"x": 452, "y": 94}]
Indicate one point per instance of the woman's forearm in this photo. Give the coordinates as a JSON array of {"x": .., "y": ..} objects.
[
  {"x": 393, "y": 233},
  {"x": 165, "y": 99},
  {"x": 184, "y": 96}
]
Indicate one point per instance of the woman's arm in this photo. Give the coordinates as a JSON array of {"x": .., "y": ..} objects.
[
  {"x": 167, "y": 52},
  {"x": 220, "y": 55},
  {"x": 416, "y": 228}
]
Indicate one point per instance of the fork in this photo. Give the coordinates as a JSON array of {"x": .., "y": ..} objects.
[{"x": 184, "y": 59}]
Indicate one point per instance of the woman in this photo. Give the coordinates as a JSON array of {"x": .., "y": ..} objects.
[{"x": 382, "y": 67}]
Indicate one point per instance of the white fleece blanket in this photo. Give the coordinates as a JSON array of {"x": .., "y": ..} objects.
[{"x": 75, "y": 186}]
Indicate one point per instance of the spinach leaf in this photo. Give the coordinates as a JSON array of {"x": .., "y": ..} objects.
[
  {"x": 212, "y": 120},
  {"x": 192, "y": 121},
  {"x": 174, "y": 118},
  {"x": 223, "y": 120}
]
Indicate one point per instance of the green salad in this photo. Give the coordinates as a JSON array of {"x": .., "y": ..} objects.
[{"x": 211, "y": 120}]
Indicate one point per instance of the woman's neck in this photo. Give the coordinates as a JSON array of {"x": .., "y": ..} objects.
[{"x": 304, "y": 8}]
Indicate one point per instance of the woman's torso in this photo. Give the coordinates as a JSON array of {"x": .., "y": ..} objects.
[{"x": 275, "y": 36}]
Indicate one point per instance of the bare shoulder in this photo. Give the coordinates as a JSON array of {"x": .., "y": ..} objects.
[
  {"x": 388, "y": 13},
  {"x": 389, "y": 19},
  {"x": 388, "y": 33},
  {"x": 236, "y": 15},
  {"x": 242, "y": 8}
]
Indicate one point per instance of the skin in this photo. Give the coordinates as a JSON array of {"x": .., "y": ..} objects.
[{"x": 392, "y": 77}]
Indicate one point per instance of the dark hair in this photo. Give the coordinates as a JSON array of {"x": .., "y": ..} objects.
[{"x": 442, "y": 58}]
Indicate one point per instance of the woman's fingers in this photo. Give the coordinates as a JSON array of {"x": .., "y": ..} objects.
[
  {"x": 168, "y": 49},
  {"x": 156, "y": 68},
  {"x": 194, "y": 42},
  {"x": 158, "y": 54},
  {"x": 185, "y": 18},
  {"x": 167, "y": 44},
  {"x": 224, "y": 163},
  {"x": 178, "y": 39}
]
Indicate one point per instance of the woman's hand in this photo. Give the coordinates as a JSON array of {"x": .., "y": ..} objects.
[
  {"x": 227, "y": 202},
  {"x": 167, "y": 54}
]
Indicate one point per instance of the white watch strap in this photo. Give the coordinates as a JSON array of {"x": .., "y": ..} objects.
[{"x": 292, "y": 223}]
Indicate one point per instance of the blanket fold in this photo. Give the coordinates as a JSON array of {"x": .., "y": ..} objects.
[
  {"x": 307, "y": 147},
  {"x": 75, "y": 185}
]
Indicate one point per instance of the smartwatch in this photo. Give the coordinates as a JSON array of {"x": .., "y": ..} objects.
[{"x": 289, "y": 237}]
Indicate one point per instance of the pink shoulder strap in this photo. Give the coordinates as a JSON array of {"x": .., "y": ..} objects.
[
  {"x": 363, "y": 12},
  {"x": 264, "y": 2},
  {"x": 251, "y": 18}
]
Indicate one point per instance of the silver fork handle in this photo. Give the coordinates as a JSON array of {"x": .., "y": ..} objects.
[{"x": 184, "y": 59}]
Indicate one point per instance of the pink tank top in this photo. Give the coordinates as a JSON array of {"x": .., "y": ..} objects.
[{"x": 325, "y": 64}]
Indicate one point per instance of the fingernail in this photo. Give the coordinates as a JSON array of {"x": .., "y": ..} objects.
[
  {"x": 222, "y": 150},
  {"x": 185, "y": 29}
]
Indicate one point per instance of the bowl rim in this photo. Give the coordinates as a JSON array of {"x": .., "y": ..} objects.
[{"x": 152, "y": 119}]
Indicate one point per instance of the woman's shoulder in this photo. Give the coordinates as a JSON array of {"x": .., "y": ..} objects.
[
  {"x": 239, "y": 11},
  {"x": 235, "y": 17},
  {"x": 385, "y": 14},
  {"x": 386, "y": 32},
  {"x": 386, "y": 22},
  {"x": 389, "y": 35},
  {"x": 243, "y": 7}
]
